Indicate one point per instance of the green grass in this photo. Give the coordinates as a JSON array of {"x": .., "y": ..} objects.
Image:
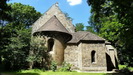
[
  {"x": 39, "y": 72},
  {"x": 124, "y": 66}
]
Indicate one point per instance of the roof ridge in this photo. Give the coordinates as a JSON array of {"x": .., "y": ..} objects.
[
  {"x": 45, "y": 12},
  {"x": 84, "y": 36},
  {"x": 54, "y": 16},
  {"x": 61, "y": 23},
  {"x": 56, "y": 4}
]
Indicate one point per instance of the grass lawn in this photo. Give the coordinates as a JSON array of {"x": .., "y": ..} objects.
[
  {"x": 57, "y": 73},
  {"x": 124, "y": 66},
  {"x": 40, "y": 72}
]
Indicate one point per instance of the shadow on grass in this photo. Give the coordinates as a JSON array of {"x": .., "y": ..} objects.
[
  {"x": 19, "y": 74},
  {"x": 26, "y": 74},
  {"x": 131, "y": 73}
]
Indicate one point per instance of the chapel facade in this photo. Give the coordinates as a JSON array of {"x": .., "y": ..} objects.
[{"x": 84, "y": 50}]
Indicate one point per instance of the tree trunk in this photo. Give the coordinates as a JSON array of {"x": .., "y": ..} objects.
[{"x": 30, "y": 65}]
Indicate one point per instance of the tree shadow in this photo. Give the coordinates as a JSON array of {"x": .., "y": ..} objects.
[
  {"x": 19, "y": 74},
  {"x": 123, "y": 71},
  {"x": 131, "y": 73},
  {"x": 27, "y": 74}
]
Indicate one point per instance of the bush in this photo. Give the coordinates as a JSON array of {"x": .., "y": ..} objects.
[
  {"x": 125, "y": 71},
  {"x": 65, "y": 67},
  {"x": 53, "y": 66}
]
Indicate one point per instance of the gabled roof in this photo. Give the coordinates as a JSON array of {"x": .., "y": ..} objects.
[
  {"x": 86, "y": 36},
  {"x": 53, "y": 24},
  {"x": 53, "y": 10}
]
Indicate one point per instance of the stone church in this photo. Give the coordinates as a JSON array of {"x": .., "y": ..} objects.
[{"x": 84, "y": 50}]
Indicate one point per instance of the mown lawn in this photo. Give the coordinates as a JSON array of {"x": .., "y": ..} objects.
[
  {"x": 58, "y": 73},
  {"x": 124, "y": 66},
  {"x": 40, "y": 72}
]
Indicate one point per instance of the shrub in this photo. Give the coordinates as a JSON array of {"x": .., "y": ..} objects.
[
  {"x": 65, "y": 67},
  {"x": 53, "y": 66},
  {"x": 125, "y": 71}
]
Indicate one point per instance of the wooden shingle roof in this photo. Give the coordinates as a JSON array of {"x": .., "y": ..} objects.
[
  {"x": 86, "y": 36},
  {"x": 53, "y": 27},
  {"x": 53, "y": 24}
]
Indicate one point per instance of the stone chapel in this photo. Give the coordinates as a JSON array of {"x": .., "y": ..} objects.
[{"x": 84, "y": 50}]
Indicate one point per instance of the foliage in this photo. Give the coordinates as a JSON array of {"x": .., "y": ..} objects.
[
  {"x": 90, "y": 29},
  {"x": 15, "y": 36},
  {"x": 114, "y": 18},
  {"x": 18, "y": 49},
  {"x": 68, "y": 17},
  {"x": 125, "y": 71},
  {"x": 79, "y": 27},
  {"x": 65, "y": 67},
  {"x": 94, "y": 26},
  {"x": 125, "y": 66},
  {"x": 38, "y": 52},
  {"x": 21, "y": 15},
  {"x": 53, "y": 66},
  {"x": 4, "y": 8},
  {"x": 39, "y": 72},
  {"x": 37, "y": 46}
]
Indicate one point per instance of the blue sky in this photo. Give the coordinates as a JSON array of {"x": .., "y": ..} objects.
[{"x": 77, "y": 9}]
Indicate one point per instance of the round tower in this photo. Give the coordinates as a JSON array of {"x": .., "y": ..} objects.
[{"x": 56, "y": 36}]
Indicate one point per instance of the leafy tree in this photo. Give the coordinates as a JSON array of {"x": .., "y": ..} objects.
[
  {"x": 94, "y": 26},
  {"x": 3, "y": 11},
  {"x": 68, "y": 17},
  {"x": 23, "y": 15},
  {"x": 123, "y": 24},
  {"x": 16, "y": 52},
  {"x": 79, "y": 27},
  {"x": 90, "y": 29},
  {"x": 16, "y": 38},
  {"x": 4, "y": 8},
  {"x": 38, "y": 53}
]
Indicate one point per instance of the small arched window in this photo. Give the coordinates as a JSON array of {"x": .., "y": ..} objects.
[
  {"x": 50, "y": 44},
  {"x": 93, "y": 56}
]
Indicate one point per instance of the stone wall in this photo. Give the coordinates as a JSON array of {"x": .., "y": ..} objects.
[
  {"x": 71, "y": 55},
  {"x": 57, "y": 51},
  {"x": 100, "y": 58},
  {"x": 112, "y": 52},
  {"x": 54, "y": 10}
]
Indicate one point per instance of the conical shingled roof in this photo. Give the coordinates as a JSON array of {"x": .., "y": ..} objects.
[
  {"x": 53, "y": 24},
  {"x": 52, "y": 27}
]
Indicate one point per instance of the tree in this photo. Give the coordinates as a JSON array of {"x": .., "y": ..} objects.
[
  {"x": 94, "y": 26},
  {"x": 4, "y": 8},
  {"x": 17, "y": 36},
  {"x": 79, "y": 27},
  {"x": 17, "y": 50},
  {"x": 68, "y": 17},
  {"x": 38, "y": 53},
  {"x": 90, "y": 29},
  {"x": 3, "y": 11},
  {"x": 123, "y": 11},
  {"x": 23, "y": 15}
]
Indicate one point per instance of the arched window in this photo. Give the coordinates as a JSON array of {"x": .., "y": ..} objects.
[
  {"x": 50, "y": 44},
  {"x": 93, "y": 56}
]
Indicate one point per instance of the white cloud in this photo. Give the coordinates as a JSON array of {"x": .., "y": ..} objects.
[{"x": 74, "y": 2}]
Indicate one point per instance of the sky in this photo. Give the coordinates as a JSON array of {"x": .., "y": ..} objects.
[{"x": 77, "y": 9}]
